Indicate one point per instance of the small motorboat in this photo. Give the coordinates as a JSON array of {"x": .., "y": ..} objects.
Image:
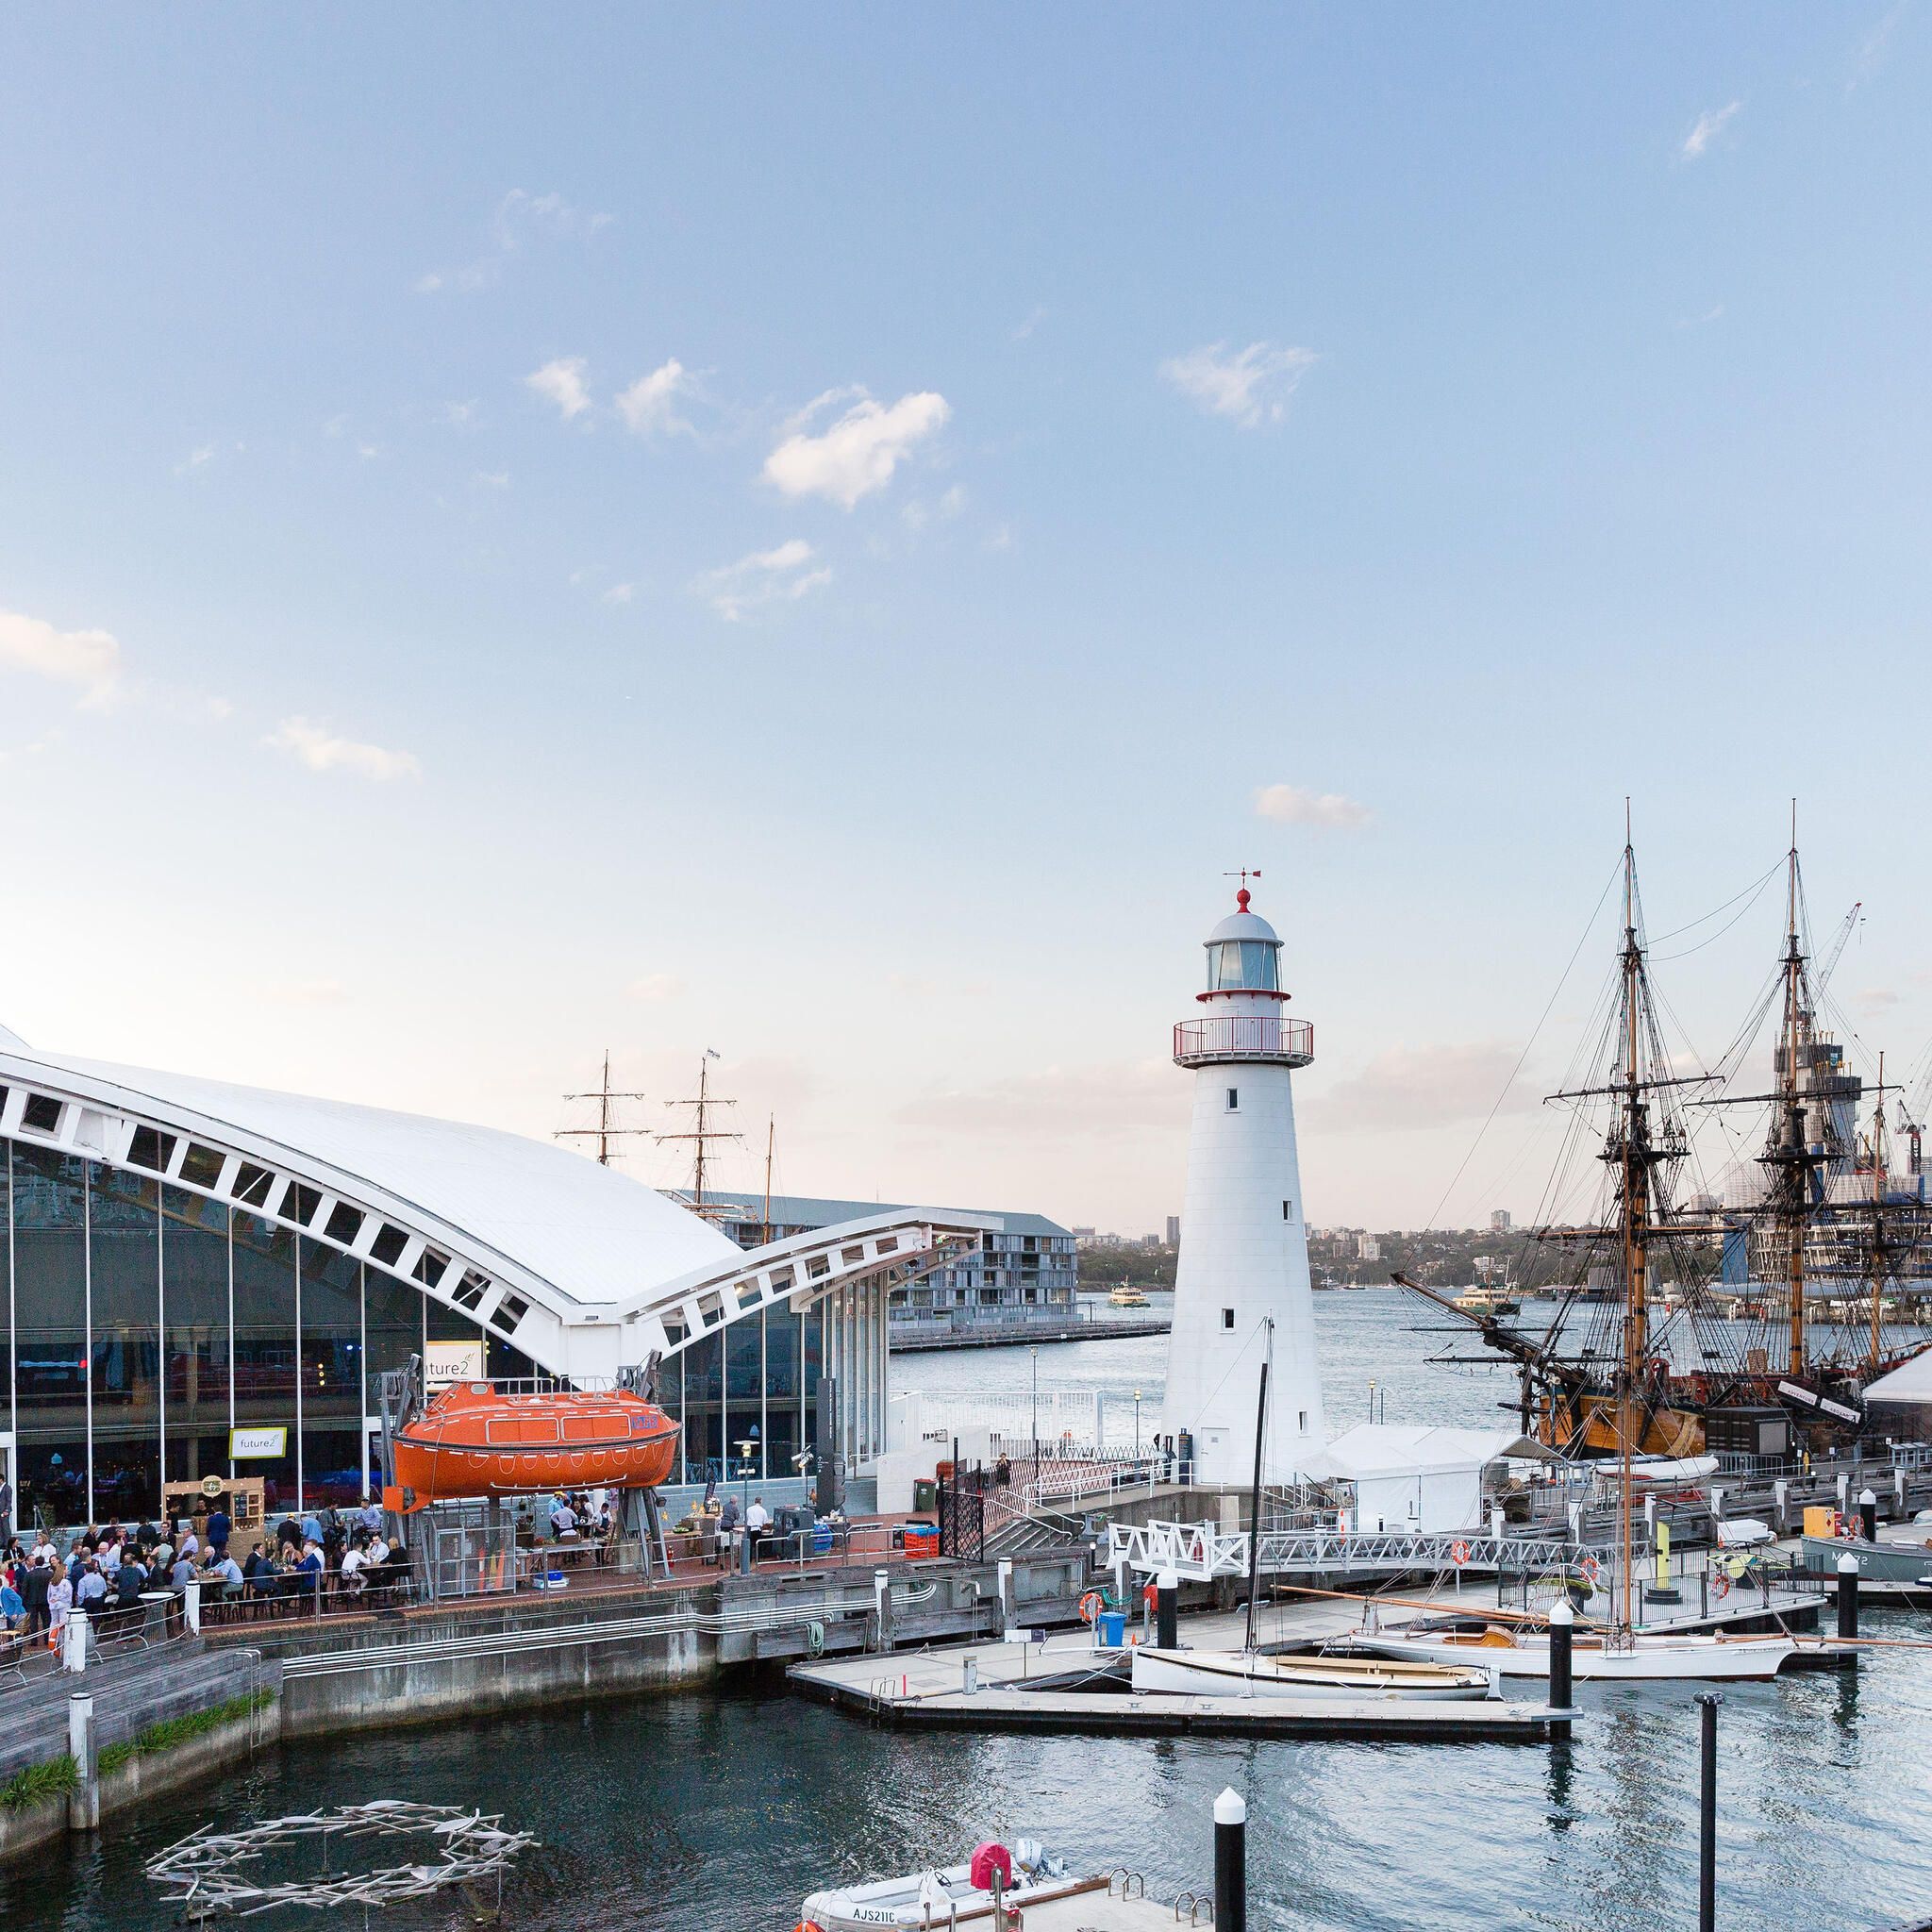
[
  {"x": 471, "y": 1440},
  {"x": 1252, "y": 1674},
  {"x": 949, "y": 1896},
  {"x": 1515, "y": 1651}
]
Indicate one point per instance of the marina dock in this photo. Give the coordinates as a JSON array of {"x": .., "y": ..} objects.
[{"x": 1059, "y": 1685}]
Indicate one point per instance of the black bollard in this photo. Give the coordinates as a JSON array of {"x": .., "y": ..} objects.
[
  {"x": 1230, "y": 1862},
  {"x": 1848, "y": 1595},
  {"x": 1708, "y": 1703},
  {"x": 1562, "y": 1620},
  {"x": 1166, "y": 1610},
  {"x": 1867, "y": 1516}
]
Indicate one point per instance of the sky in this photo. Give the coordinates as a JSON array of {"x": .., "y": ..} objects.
[{"x": 821, "y": 536}]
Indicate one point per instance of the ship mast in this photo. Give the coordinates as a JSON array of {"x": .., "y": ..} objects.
[
  {"x": 702, "y": 1134},
  {"x": 1877, "y": 1212},
  {"x": 606, "y": 1130},
  {"x": 1635, "y": 1194}
]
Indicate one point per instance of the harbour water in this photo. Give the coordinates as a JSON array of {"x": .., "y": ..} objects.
[{"x": 717, "y": 1814}]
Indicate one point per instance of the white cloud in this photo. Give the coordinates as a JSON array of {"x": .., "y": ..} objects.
[
  {"x": 89, "y": 659},
  {"x": 562, "y": 382},
  {"x": 766, "y": 576},
  {"x": 620, "y": 593},
  {"x": 1293, "y": 805},
  {"x": 1712, "y": 314},
  {"x": 1869, "y": 55},
  {"x": 1031, "y": 322},
  {"x": 320, "y": 749},
  {"x": 860, "y": 452},
  {"x": 1879, "y": 999},
  {"x": 1249, "y": 387},
  {"x": 195, "y": 459},
  {"x": 1708, "y": 126},
  {"x": 520, "y": 216},
  {"x": 654, "y": 988},
  {"x": 1058, "y": 1101},
  {"x": 459, "y": 415},
  {"x": 1407, "y": 1087},
  {"x": 493, "y": 479},
  {"x": 649, "y": 406}
]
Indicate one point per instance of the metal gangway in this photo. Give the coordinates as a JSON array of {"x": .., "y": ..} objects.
[{"x": 1198, "y": 1552}]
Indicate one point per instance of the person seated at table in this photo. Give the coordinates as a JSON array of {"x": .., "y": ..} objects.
[
  {"x": 259, "y": 1571},
  {"x": 226, "y": 1571},
  {"x": 355, "y": 1558},
  {"x": 309, "y": 1569}
]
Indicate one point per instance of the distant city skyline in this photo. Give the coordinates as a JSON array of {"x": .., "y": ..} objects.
[{"x": 825, "y": 544}]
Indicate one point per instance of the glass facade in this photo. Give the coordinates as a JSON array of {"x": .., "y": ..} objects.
[
  {"x": 142, "y": 1321},
  {"x": 1246, "y": 965}
]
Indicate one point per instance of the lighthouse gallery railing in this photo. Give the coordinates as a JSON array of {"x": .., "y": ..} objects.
[{"x": 1244, "y": 1036}]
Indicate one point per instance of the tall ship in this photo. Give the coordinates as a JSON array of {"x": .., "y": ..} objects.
[{"x": 1741, "y": 1311}]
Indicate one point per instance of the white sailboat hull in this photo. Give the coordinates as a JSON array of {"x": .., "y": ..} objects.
[
  {"x": 1299, "y": 1679},
  {"x": 1644, "y": 1660}
]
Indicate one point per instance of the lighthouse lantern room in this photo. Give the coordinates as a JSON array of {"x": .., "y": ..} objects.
[{"x": 1241, "y": 1294}]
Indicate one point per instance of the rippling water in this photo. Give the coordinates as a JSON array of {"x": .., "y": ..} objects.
[{"x": 716, "y": 1814}]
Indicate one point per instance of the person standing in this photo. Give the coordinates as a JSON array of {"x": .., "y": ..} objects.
[
  {"x": 219, "y": 1530},
  {"x": 60, "y": 1602},
  {"x": 33, "y": 1593}
]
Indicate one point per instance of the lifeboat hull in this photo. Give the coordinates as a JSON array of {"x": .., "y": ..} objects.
[{"x": 472, "y": 1442}]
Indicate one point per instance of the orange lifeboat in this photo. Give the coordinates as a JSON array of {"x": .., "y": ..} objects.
[{"x": 472, "y": 1442}]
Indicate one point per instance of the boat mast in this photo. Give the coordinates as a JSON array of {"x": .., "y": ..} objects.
[
  {"x": 1634, "y": 1189},
  {"x": 702, "y": 1134},
  {"x": 770, "y": 1141},
  {"x": 1877, "y": 1210},
  {"x": 606, "y": 1130},
  {"x": 1791, "y": 1145},
  {"x": 1254, "y": 1494}
]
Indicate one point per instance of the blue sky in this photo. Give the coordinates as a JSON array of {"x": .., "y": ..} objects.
[{"x": 821, "y": 534}]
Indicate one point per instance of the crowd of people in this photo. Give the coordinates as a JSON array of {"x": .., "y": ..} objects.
[{"x": 104, "y": 1572}]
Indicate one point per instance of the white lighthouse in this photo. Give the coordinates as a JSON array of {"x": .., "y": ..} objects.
[{"x": 1244, "y": 1248}]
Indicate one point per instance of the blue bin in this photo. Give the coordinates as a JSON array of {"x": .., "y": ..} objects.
[
  {"x": 1112, "y": 1625},
  {"x": 821, "y": 1539}
]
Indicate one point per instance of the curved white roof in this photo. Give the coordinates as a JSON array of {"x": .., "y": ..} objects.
[
  {"x": 593, "y": 1234},
  {"x": 1243, "y": 925}
]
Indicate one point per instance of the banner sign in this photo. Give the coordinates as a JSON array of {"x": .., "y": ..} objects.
[{"x": 448, "y": 1363}]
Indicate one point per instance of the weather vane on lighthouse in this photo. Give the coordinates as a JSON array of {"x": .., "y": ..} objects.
[{"x": 1244, "y": 874}]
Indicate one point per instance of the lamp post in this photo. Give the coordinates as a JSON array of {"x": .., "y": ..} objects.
[
  {"x": 1034, "y": 1369},
  {"x": 1136, "y": 1426}
]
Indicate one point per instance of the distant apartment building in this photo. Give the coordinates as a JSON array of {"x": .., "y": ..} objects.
[
  {"x": 1499, "y": 1221},
  {"x": 1174, "y": 1230},
  {"x": 1367, "y": 1248},
  {"x": 1031, "y": 1262}
]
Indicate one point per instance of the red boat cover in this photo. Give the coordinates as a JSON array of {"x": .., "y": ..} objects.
[{"x": 987, "y": 1859}]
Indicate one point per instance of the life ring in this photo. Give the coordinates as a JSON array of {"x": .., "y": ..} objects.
[
  {"x": 1591, "y": 1570},
  {"x": 1459, "y": 1552},
  {"x": 1720, "y": 1587},
  {"x": 1089, "y": 1607},
  {"x": 1150, "y": 1595}
]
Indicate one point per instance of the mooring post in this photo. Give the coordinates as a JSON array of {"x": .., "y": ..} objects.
[
  {"x": 882, "y": 1607},
  {"x": 1166, "y": 1610},
  {"x": 1780, "y": 1490},
  {"x": 84, "y": 1801},
  {"x": 191, "y": 1605},
  {"x": 1231, "y": 1863},
  {"x": 1707, "y": 1702},
  {"x": 1844, "y": 1484},
  {"x": 1563, "y": 1618},
  {"x": 1004, "y": 1575},
  {"x": 1867, "y": 1516},
  {"x": 1848, "y": 1595}
]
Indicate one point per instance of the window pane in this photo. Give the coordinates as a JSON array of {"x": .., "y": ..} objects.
[
  {"x": 49, "y": 1313},
  {"x": 125, "y": 1247},
  {"x": 195, "y": 1306},
  {"x": 394, "y": 1315},
  {"x": 265, "y": 1346},
  {"x": 331, "y": 1374}
]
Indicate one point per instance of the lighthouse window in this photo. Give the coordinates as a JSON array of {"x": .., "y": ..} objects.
[
  {"x": 1287, "y": 1210},
  {"x": 1237, "y": 965},
  {"x": 1234, "y": 1099},
  {"x": 1227, "y": 1318},
  {"x": 1303, "y": 1422}
]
